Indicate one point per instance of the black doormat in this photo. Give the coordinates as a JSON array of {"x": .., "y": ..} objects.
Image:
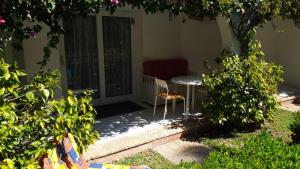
[{"x": 117, "y": 109}]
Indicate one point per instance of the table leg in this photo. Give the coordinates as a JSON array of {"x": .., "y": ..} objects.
[
  {"x": 188, "y": 100},
  {"x": 193, "y": 99}
]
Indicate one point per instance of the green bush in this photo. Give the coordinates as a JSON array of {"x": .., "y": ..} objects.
[
  {"x": 243, "y": 92},
  {"x": 295, "y": 128},
  {"x": 32, "y": 120},
  {"x": 263, "y": 152},
  {"x": 189, "y": 165}
]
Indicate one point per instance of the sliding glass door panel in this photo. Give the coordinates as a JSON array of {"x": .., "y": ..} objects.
[
  {"x": 81, "y": 50},
  {"x": 117, "y": 55}
]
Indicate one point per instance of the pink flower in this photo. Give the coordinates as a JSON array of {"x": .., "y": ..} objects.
[
  {"x": 115, "y": 2},
  {"x": 2, "y": 21},
  {"x": 32, "y": 34}
]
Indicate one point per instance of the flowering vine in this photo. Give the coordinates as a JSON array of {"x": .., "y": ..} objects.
[
  {"x": 115, "y": 2},
  {"x": 2, "y": 21}
]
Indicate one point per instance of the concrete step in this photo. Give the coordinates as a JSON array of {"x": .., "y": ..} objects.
[
  {"x": 288, "y": 93},
  {"x": 288, "y": 99},
  {"x": 128, "y": 144}
]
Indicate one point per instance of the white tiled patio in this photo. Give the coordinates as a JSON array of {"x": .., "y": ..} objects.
[
  {"x": 133, "y": 122},
  {"x": 127, "y": 131}
]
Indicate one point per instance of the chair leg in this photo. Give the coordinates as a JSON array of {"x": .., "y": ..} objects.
[
  {"x": 166, "y": 108},
  {"x": 173, "y": 105},
  {"x": 154, "y": 111},
  {"x": 184, "y": 107}
]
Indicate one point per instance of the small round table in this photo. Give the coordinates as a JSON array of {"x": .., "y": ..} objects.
[{"x": 188, "y": 81}]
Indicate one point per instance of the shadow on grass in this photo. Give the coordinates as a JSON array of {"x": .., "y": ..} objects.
[
  {"x": 297, "y": 101},
  {"x": 204, "y": 130}
]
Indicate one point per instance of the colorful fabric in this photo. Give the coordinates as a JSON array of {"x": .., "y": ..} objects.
[{"x": 66, "y": 156}]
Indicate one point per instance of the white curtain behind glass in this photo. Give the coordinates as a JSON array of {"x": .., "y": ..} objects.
[
  {"x": 81, "y": 51},
  {"x": 117, "y": 55}
]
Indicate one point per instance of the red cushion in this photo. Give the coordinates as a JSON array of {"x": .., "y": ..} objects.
[{"x": 166, "y": 69}]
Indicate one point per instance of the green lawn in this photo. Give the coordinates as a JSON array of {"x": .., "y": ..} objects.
[
  {"x": 279, "y": 127},
  {"x": 149, "y": 158}
]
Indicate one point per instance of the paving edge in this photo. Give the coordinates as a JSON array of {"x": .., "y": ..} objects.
[
  {"x": 288, "y": 99},
  {"x": 138, "y": 148}
]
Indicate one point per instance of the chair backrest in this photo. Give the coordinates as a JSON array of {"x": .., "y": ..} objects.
[{"x": 161, "y": 85}]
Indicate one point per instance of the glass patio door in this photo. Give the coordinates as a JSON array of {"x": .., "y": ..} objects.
[
  {"x": 81, "y": 52},
  {"x": 117, "y": 56},
  {"x": 98, "y": 56}
]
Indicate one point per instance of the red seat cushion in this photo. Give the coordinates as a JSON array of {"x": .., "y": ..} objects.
[{"x": 166, "y": 69}]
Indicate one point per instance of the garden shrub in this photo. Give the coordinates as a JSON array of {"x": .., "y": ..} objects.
[
  {"x": 32, "y": 119},
  {"x": 243, "y": 92},
  {"x": 263, "y": 152},
  {"x": 189, "y": 165},
  {"x": 295, "y": 128}
]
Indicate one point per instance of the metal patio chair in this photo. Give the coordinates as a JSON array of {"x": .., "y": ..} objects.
[{"x": 162, "y": 91}]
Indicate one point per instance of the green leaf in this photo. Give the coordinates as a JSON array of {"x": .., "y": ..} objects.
[
  {"x": 9, "y": 162},
  {"x": 29, "y": 96},
  {"x": 42, "y": 124},
  {"x": 46, "y": 93},
  {"x": 2, "y": 91},
  {"x": 6, "y": 75},
  {"x": 30, "y": 166},
  {"x": 36, "y": 143},
  {"x": 69, "y": 123},
  {"x": 70, "y": 100}
]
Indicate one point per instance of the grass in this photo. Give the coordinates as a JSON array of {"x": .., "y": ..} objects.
[
  {"x": 149, "y": 158},
  {"x": 279, "y": 127}
]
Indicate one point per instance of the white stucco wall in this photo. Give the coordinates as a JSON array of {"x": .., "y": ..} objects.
[
  {"x": 160, "y": 36},
  {"x": 267, "y": 36},
  {"x": 33, "y": 53},
  {"x": 280, "y": 45},
  {"x": 165, "y": 37},
  {"x": 7, "y": 53},
  {"x": 287, "y": 48},
  {"x": 200, "y": 41}
]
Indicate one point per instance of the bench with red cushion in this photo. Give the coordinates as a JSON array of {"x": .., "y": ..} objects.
[{"x": 166, "y": 69}]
